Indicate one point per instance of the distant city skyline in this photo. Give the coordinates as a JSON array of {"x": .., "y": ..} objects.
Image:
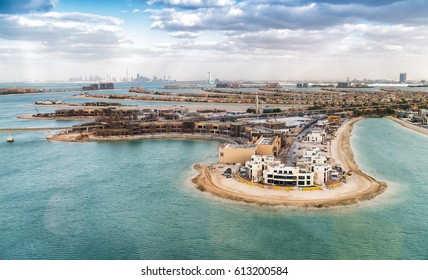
[{"x": 234, "y": 40}]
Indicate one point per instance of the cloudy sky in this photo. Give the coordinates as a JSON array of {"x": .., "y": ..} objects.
[{"x": 184, "y": 39}]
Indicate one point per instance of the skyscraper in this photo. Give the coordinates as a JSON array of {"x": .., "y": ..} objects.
[
  {"x": 210, "y": 78},
  {"x": 403, "y": 78}
]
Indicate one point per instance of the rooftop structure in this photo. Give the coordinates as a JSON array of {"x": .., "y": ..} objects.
[{"x": 232, "y": 153}]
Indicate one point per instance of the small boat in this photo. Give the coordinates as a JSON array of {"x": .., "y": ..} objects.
[{"x": 10, "y": 139}]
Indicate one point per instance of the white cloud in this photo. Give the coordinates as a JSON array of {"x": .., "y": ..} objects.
[
  {"x": 66, "y": 34},
  {"x": 192, "y": 3},
  {"x": 261, "y": 15},
  {"x": 134, "y": 11},
  {"x": 185, "y": 35}
]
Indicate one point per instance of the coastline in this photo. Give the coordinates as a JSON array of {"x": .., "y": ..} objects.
[
  {"x": 359, "y": 186},
  {"x": 77, "y": 137},
  {"x": 409, "y": 125}
]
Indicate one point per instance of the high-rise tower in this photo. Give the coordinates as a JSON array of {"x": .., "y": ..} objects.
[
  {"x": 210, "y": 78},
  {"x": 403, "y": 78}
]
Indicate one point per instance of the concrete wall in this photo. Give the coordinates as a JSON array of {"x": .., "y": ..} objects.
[{"x": 230, "y": 154}]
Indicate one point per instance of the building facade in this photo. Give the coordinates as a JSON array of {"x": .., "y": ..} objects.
[
  {"x": 291, "y": 176},
  {"x": 403, "y": 78}
]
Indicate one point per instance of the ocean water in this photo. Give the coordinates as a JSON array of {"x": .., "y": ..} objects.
[{"x": 134, "y": 200}]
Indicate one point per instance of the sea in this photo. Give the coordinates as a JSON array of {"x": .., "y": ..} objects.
[{"x": 135, "y": 200}]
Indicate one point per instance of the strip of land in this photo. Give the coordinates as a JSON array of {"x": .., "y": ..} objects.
[
  {"x": 410, "y": 126},
  {"x": 359, "y": 186},
  {"x": 88, "y": 137},
  {"x": 73, "y": 118}
]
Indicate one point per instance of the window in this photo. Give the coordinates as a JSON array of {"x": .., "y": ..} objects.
[{"x": 308, "y": 182}]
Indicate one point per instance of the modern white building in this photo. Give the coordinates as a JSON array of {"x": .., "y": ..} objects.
[
  {"x": 317, "y": 163},
  {"x": 423, "y": 113},
  {"x": 315, "y": 136},
  {"x": 283, "y": 175},
  {"x": 311, "y": 153},
  {"x": 322, "y": 173},
  {"x": 311, "y": 156},
  {"x": 256, "y": 166}
]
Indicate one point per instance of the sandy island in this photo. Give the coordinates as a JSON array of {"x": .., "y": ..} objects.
[
  {"x": 359, "y": 186},
  {"x": 410, "y": 126}
]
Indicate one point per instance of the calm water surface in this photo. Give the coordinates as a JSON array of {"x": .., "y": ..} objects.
[{"x": 134, "y": 200}]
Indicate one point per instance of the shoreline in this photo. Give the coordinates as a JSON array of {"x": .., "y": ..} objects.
[
  {"x": 78, "y": 137},
  {"x": 359, "y": 186},
  {"x": 410, "y": 126}
]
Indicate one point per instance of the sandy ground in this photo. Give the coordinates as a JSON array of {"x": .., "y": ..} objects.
[
  {"x": 359, "y": 186},
  {"x": 410, "y": 126}
]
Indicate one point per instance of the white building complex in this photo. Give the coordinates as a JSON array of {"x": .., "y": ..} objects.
[
  {"x": 266, "y": 169},
  {"x": 257, "y": 165},
  {"x": 315, "y": 136},
  {"x": 315, "y": 162},
  {"x": 291, "y": 176},
  {"x": 311, "y": 170}
]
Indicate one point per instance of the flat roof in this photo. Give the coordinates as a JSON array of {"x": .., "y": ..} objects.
[{"x": 241, "y": 146}]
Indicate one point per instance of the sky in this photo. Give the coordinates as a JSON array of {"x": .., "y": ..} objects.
[{"x": 235, "y": 40}]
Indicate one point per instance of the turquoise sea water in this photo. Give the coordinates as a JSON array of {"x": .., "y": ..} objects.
[{"x": 134, "y": 200}]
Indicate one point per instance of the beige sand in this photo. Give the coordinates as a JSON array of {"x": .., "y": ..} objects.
[
  {"x": 410, "y": 126},
  {"x": 359, "y": 186}
]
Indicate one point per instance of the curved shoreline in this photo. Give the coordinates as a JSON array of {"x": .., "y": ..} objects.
[
  {"x": 77, "y": 137},
  {"x": 359, "y": 187},
  {"x": 410, "y": 126}
]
